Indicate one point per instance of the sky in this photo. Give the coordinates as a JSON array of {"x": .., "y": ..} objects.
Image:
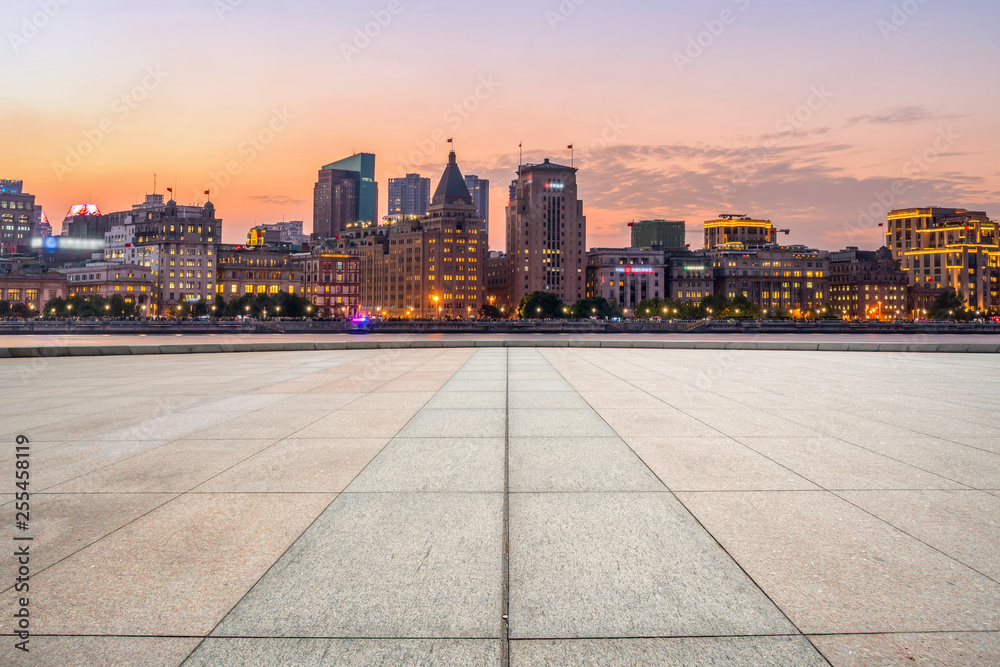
[{"x": 816, "y": 115}]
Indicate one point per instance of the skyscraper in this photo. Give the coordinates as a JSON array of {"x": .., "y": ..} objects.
[
  {"x": 546, "y": 233},
  {"x": 479, "y": 188},
  {"x": 409, "y": 195},
  {"x": 345, "y": 196}
]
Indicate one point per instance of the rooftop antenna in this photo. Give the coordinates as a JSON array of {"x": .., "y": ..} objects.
[
  {"x": 520, "y": 157},
  {"x": 154, "y": 183}
]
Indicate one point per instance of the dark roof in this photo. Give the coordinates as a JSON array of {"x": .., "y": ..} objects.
[
  {"x": 547, "y": 165},
  {"x": 452, "y": 188}
]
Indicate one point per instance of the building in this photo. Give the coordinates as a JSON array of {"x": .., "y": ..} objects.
[
  {"x": 345, "y": 196},
  {"x": 626, "y": 276},
  {"x": 739, "y": 230},
  {"x": 290, "y": 233},
  {"x": 497, "y": 292},
  {"x": 433, "y": 266},
  {"x": 793, "y": 279},
  {"x": 667, "y": 234},
  {"x": 947, "y": 247},
  {"x": 546, "y": 233},
  {"x": 178, "y": 244},
  {"x": 691, "y": 277},
  {"x": 243, "y": 270},
  {"x": 34, "y": 288},
  {"x": 331, "y": 281},
  {"x": 134, "y": 284},
  {"x": 18, "y": 218},
  {"x": 479, "y": 188},
  {"x": 868, "y": 285},
  {"x": 43, "y": 229},
  {"x": 409, "y": 196},
  {"x": 84, "y": 221}
]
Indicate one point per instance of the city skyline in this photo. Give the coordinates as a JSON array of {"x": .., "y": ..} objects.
[{"x": 694, "y": 118}]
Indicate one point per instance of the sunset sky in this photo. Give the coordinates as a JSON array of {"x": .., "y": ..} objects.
[{"x": 800, "y": 112}]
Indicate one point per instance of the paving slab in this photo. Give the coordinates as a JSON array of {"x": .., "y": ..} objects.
[
  {"x": 90, "y": 651},
  {"x": 411, "y": 565},
  {"x": 352, "y": 652},
  {"x": 937, "y": 649},
  {"x": 577, "y": 464},
  {"x": 834, "y": 568},
  {"x": 163, "y": 574},
  {"x": 688, "y": 651},
  {"x": 428, "y": 465},
  {"x": 625, "y": 565}
]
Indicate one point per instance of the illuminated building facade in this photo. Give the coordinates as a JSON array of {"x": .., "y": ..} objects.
[
  {"x": 626, "y": 276},
  {"x": 135, "y": 284},
  {"x": 667, "y": 234},
  {"x": 739, "y": 230},
  {"x": 546, "y": 234},
  {"x": 18, "y": 217},
  {"x": 497, "y": 292},
  {"x": 793, "y": 279},
  {"x": 947, "y": 247},
  {"x": 243, "y": 270},
  {"x": 345, "y": 196},
  {"x": 692, "y": 278},
  {"x": 290, "y": 233},
  {"x": 432, "y": 266},
  {"x": 179, "y": 244},
  {"x": 33, "y": 290},
  {"x": 331, "y": 281},
  {"x": 868, "y": 285}
]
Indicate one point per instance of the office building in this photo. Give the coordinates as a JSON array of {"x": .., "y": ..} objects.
[
  {"x": 739, "y": 230},
  {"x": 18, "y": 218},
  {"x": 479, "y": 188},
  {"x": 243, "y": 270},
  {"x": 780, "y": 279},
  {"x": 691, "y": 278},
  {"x": 345, "y": 196},
  {"x": 274, "y": 233},
  {"x": 868, "y": 285},
  {"x": 626, "y": 276},
  {"x": 947, "y": 247},
  {"x": 408, "y": 196},
  {"x": 546, "y": 233},
  {"x": 666, "y": 234},
  {"x": 331, "y": 281},
  {"x": 497, "y": 292},
  {"x": 135, "y": 284}
]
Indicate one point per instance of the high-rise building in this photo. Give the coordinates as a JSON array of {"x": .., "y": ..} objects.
[
  {"x": 345, "y": 196},
  {"x": 947, "y": 247},
  {"x": 479, "y": 188},
  {"x": 668, "y": 234},
  {"x": 430, "y": 266},
  {"x": 17, "y": 217},
  {"x": 546, "y": 233},
  {"x": 626, "y": 276},
  {"x": 409, "y": 196},
  {"x": 739, "y": 230}
]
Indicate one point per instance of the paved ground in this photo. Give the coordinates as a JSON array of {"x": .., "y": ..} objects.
[
  {"x": 31, "y": 340},
  {"x": 660, "y": 506}
]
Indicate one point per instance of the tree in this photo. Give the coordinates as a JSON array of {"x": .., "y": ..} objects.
[
  {"x": 595, "y": 307},
  {"x": 54, "y": 307},
  {"x": 490, "y": 312},
  {"x": 544, "y": 305},
  {"x": 22, "y": 311},
  {"x": 120, "y": 307},
  {"x": 5, "y": 308},
  {"x": 949, "y": 305}
]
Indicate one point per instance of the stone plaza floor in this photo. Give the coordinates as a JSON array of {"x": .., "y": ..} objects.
[{"x": 513, "y": 506}]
